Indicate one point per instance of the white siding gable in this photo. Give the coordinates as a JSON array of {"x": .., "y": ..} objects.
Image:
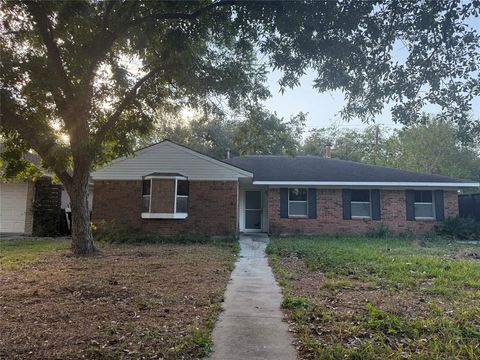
[{"x": 169, "y": 157}]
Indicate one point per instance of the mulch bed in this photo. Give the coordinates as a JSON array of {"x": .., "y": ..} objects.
[{"x": 127, "y": 302}]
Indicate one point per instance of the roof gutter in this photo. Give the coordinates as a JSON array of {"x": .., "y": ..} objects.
[{"x": 369, "y": 183}]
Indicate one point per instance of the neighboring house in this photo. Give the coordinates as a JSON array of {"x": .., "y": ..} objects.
[
  {"x": 19, "y": 199},
  {"x": 171, "y": 189}
]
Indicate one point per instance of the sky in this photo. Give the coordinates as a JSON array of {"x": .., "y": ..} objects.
[{"x": 323, "y": 108}]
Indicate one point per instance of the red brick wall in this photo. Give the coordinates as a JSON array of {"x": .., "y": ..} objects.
[
  {"x": 330, "y": 215},
  {"x": 212, "y": 208},
  {"x": 163, "y": 199}
]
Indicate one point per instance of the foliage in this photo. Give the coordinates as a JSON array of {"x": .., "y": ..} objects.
[
  {"x": 210, "y": 134},
  {"x": 460, "y": 228},
  {"x": 113, "y": 235},
  {"x": 265, "y": 133},
  {"x": 434, "y": 146},
  {"x": 254, "y": 131},
  {"x": 380, "y": 231}
]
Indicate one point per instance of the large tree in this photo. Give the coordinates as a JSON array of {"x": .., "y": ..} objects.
[
  {"x": 96, "y": 70},
  {"x": 433, "y": 146}
]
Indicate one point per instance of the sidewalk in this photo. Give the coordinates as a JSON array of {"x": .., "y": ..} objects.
[{"x": 251, "y": 325}]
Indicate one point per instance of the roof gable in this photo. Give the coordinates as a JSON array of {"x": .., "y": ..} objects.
[{"x": 169, "y": 157}]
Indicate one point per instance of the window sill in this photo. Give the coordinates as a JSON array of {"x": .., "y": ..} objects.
[
  {"x": 298, "y": 216},
  {"x": 361, "y": 217},
  {"x": 425, "y": 219},
  {"x": 164, "y": 215}
]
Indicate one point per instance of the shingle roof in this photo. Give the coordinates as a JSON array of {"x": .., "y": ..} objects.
[{"x": 319, "y": 169}]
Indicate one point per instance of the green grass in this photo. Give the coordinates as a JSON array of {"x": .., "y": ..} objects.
[
  {"x": 17, "y": 253},
  {"x": 399, "y": 263},
  {"x": 437, "y": 279}
]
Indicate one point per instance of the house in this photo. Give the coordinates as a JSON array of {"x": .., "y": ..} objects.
[
  {"x": 171, "y": 189},
  {"x": 25, "y": 205}
]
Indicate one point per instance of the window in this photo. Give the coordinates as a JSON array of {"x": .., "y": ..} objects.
[
  {"x": 424, "y": 204},
  {"x": 181, "y": 199},
  {"x": 361, "y": 204},
  {"x": 297, "y": 202},
  {"x": 146, "y": 195}
]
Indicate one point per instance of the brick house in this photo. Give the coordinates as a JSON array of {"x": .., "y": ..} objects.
[{"x": 171, "y": 189}]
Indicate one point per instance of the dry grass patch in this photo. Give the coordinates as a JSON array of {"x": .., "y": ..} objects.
[{"x": 127, "y": 302}]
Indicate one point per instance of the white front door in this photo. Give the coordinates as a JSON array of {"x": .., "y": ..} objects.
[{"x": 253, "y": 210}]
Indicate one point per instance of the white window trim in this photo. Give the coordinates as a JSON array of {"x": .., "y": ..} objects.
[
  {"x": 363, "y": 202},
  {"x": 164, "y": 215},
  {"x": 155, "y": 215},
  {"x": 297, "y": 201},
  {"x": 362, "y": 216},
  {"x": 434, "y": 217},
  {"x": 182, "y": 196},
  {"x": 149, "y": 196}
]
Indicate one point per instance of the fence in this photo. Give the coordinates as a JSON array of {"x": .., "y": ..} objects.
[{"x": 469, "y": 205}]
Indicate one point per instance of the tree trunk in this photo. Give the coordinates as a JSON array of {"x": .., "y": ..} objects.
[{"x": 82, "y": 238}]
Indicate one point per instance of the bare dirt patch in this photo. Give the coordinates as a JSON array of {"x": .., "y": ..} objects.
[
  {"x": 136, "y": 302},
  {"x": 349, "y": 294}
]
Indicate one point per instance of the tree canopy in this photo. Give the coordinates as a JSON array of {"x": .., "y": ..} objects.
[
  {"x": 95, "y": 72},
  {"x": 255, "y": 131},
  {"x": 434, "y": 146}
]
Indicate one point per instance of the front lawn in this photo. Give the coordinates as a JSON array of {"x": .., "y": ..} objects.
[
  {"x": 155, "y": 301},
  {"x": 365, "y": 298}
]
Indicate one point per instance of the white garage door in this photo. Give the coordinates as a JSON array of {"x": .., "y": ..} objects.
[{"x": 13, "y": 204}]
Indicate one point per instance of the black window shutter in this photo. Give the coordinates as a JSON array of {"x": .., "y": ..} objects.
[
  {"x": 375, "y": 202},
  {"x": 439, "y": 206},
  {"x": 410, "y": 204},
  {"x": 312, "y": 203},
  {"x": 284, "y": 203},
  {"x": 347, "y": 206}
]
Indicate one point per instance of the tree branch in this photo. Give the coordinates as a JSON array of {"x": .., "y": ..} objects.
[
  {"x": 182, "y": 16},
  {"x": 127, "y": 100},
  {"x": 55, "y": 63},
  {"x": 108, "y": 8}
]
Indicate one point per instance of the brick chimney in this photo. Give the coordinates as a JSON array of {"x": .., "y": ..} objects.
[{"x": 328, "y": 151}]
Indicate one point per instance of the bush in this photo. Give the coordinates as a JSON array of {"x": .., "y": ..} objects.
[
  {"x": 379, "y": 232},
  {"x": 112, "y": 234},
  {"x": 460, "y": 228}
]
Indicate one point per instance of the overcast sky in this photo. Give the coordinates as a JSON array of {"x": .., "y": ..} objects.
[{"x": 323, "y": 108}]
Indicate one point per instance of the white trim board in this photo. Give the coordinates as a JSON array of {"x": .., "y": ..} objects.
[
  {"x": 369, "y": 184},
  {"x": 150, "y": 215}
]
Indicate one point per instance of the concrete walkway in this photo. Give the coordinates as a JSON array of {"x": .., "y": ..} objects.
[{"x": 251, "y": 325}]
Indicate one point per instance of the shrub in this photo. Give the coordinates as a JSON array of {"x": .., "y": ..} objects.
[
  {"x": 109, "y": 233},
  {"x": 460, "y": 228},
  {"x": 380, "y": 231}
]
